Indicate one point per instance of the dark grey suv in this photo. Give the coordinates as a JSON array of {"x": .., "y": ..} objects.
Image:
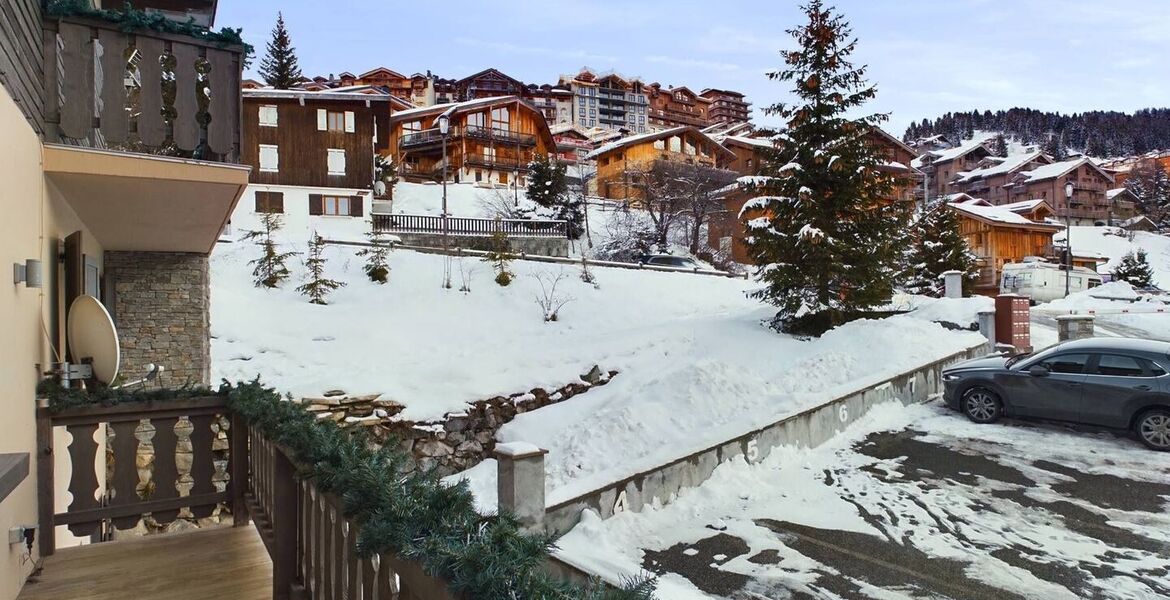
[{"x": 1109, "y": 382}]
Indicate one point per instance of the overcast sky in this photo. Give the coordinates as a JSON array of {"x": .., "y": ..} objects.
[{"x": 927, "y": 57}]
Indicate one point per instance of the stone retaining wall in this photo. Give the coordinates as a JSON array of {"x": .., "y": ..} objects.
[
  {"x": 809, "y": 428},
  {"x": 456, "y": 442},
  {"x": 538, "y": 246}
]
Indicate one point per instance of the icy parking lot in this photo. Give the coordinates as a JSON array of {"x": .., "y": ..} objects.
[{"x": 915, "y": 502}]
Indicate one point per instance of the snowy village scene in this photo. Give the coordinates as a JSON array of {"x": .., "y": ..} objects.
[{"x": 806, "y": 300}]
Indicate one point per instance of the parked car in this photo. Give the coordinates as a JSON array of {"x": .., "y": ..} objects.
[
  {"x": 668, "y": 260},
  {"x": 1116, "y": 383}
]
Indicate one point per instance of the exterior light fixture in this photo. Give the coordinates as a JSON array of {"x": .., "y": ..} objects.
[{"x": 28, "y": 273}]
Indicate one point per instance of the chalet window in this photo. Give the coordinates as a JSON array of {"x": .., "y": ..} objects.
[
  {"x": 336, "y": 121},
  {"x": 660, "y": 144},
  {"x": 500, "y": 118},
  {"x": 503, "y": 177},
  {"x": 476, "y": 119},
  {"x": 411, "y": 126},
  {"x": 749, "y": 163},
  {"x": 269, "y": 158},
  {"x": 269, "y": 202},
  {"x": 581, "y": 100},
  {"x": 689, "y": 148},
  {"x": 336, "y": 205},
  {"x": 336, "y": 161},
  {"x": 675, "y": 144},
  {"x": 268, "y": 115},
  {"x": 478, "y": 175}
]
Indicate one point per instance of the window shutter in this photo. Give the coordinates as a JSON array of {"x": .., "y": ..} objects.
[
  {"x": 261, "y": 201},
  {"x": 355, "y": 206},
  {"x": 349, "y": 121},
  {"x": 276, "y": 201},
  {"x": 322, "y": 120},
  {"x": 316, "y": 204}
]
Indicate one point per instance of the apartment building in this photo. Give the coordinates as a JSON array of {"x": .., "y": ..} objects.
[
  {"x": 621, "y": 163},
  {"x": 726, "y": 106},
  {"x": 489, "y": 140},
  {"x": 1089, "y": 204},
  {"x": 677, "y": 107},
  {"x": 555, "y": 102},
  {"x": 607, "y": 100}
]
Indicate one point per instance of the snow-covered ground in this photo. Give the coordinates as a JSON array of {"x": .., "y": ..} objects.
[
  {"x": 1114, "y": 243},
  {"x": 697, "y": 367},
  {"x": 910, "y": 502}
]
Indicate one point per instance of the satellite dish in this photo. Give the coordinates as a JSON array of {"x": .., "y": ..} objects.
[{"x": 92, "y": 337}]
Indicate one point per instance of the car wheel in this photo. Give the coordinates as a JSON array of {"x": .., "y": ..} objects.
[
  {"x": 982, "y": 405},
  {"x": 1153, "y": 429}
]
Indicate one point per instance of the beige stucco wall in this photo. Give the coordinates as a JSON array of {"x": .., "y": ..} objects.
[{"x": 36, "y": 219}]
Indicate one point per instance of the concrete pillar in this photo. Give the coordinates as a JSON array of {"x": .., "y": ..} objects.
[
  {"x": 987, "y": 324},
  {"x": 520, "y": 483},
  {"x": 953, "y": 283},
  {"x": 1074, "y": 327}
]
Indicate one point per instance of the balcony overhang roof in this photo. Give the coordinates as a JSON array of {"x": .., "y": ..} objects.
[{"x": 142, "y": 202}]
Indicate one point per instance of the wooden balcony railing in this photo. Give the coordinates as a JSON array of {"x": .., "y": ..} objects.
[
  {"x": 433, "y": 224},
  {"x": 197, "y": 465},
  {"x": 313, "y": 545},
  {"x": 495, "y": 162},
  {"x": 148, "y": 92},
  {"x": 425, "y": 137},
  {"x": 501, "y": 136}
]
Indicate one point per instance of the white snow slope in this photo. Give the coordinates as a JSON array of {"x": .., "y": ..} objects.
[{"x": 1114, "y": 243}]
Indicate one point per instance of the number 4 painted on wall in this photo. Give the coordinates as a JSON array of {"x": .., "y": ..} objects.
[{"x": 620, "y": 504}]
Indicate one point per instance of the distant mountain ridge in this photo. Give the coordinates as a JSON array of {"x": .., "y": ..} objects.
[{"x": 1101, "y": 134}]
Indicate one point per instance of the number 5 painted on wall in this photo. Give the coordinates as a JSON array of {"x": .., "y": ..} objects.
[{"x": 753, "y": 451}]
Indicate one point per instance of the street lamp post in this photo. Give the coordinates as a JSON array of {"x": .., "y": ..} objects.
[
  {"x": 1068, "y": 194},
  {"x": 444, "y": 127}
]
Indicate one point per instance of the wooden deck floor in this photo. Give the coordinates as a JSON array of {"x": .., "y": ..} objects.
[{"x": 224, "y": 562}]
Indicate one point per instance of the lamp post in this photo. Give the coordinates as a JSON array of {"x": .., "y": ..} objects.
[
  {"x": 1068, "y": 194},
  {"x": 444, "y": 127}
]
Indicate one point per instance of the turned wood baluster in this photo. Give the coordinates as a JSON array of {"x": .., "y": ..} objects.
[
  {"x": 151, "y": 126},
  {"x": 166, "y": 471},
  {"x": 202, "y": 462},
  {"x": 126, "y": 480},
  {"x": 83, "y": 485}
]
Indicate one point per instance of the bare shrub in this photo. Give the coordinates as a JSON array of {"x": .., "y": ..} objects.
[{"x": 550, "y": 299}]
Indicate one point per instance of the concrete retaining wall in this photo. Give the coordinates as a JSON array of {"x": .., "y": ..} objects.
[
  {"x": 809, "y": 428},
  {"x": 548, "y": 246}
]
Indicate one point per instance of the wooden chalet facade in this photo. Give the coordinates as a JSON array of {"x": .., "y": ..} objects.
[
  {"x": 620, "y": 163},
  {"x": 491, "y": 140},
  {"x": 997, "y": 236},
  {"x": 488, "y": 83},
  {"x": 748, "y": 151},
  {"x": 941, "y": 166},
  {"x": 726, "y": 106},
  {"x": 992, "y": 178},
  {"x": 572, "y": 143},
  {"x": 897, "y": 159},
  {"x": 676, "y": 107},
  {"x": 1089, "y": 204}
]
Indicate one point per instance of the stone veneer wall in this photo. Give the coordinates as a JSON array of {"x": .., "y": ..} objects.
[{"x": 160, "y": 304}]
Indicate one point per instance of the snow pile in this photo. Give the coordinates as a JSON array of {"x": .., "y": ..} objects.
[
  {"x": 959, "y": 311},
  {"x": 463, "y": 199},
  {"x": 1114, "y": 243},
  {"x": 1114, "y": 295}
]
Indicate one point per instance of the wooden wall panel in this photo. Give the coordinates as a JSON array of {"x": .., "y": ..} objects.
[{"x": 22, "y": 57}]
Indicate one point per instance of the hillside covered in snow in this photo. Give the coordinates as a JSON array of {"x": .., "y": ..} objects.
[{"x": 1113, "y": 243}]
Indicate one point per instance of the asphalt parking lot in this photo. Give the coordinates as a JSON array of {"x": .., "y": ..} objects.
[{"x": 950, "y": 510}]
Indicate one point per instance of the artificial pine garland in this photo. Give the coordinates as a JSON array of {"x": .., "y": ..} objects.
[
  {"x": 131, "y": 19},
  {"x": 400, "y": 510}
]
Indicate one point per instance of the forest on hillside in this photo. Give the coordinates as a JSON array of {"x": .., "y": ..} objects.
[{"x": 1102, "y": 134}]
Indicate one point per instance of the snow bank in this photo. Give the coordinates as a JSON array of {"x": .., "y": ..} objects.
[
  {"x": 1114, "y": 243},
  {"x": 1114, "y": 295},
  {"x": 960, "y": 311}
]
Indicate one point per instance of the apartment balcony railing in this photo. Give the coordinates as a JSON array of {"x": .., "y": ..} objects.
[
  {"x": 502, "y": 163},
  {"x": 426, "y": 137},
  {"x": 433, "y": 224},
  {"x": 145, "y": 91},
  {"x": 502, "y": 136},
  {"x": 677, "y": 117}
]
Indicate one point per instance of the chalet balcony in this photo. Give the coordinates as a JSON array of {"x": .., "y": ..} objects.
[
  {"x": 425, "y": 138},
  {"x": 499, "y": 163},
  {"x": 142, "y": 92},
  {"x": 207, "y": 465},
  {"x": 500, "y": 136}
]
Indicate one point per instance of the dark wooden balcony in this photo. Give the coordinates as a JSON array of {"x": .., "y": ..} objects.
[
  {"x": 211, "y": 473},
  {"x": 433, "y": 224},
  {"x": 425, "y": 138},
  {"x": 499, "y": 136},
  {"x": 145, "y": 92},
  {"x": 499, "y": 163}
]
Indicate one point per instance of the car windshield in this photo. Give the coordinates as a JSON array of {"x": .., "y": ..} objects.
[{"x": 1015, "y": 359}]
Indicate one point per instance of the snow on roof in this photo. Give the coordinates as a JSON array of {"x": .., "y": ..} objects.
[
  {"x": 653, "y": 135},
  {"x": 750, "y": 141},
  {"x": 1113, "y": 193},
  {"x": 1057, "y": 169},
  {"x": 1004, "y": 165},
  {"x": 939, "y": 156},
  {"x": 1023, "y": 205},
  {"x": 1130, "y": 222},
  {"x": 995, "y": 214},
  {"x": 453, "y": 107},
  {"x": 351, "y": 93}
]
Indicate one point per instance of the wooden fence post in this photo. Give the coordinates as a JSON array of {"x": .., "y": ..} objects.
[
  {"x": 45, "y": 490},
  {"x": 238, "y": 477},
  {"x": 284, "y": 527}
]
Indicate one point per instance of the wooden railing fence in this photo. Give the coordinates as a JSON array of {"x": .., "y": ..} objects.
[
  {"x": 181, "y": 428},
  {"x": 433, "y": 224}
]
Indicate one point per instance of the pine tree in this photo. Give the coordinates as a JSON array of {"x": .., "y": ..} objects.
[
  {"x": 500, "y": 256},
  {"x": 279, "y": 66},
  {"x": 377, "y": 265},
  {"x": 1149, "y": 182},
  {"x": 1135, "y": 269},
  {"x": 1054, "y": 146},
  {"x": 317, "y": 287},
  {"x": 548, "y": 187},
  {"x": 270, "y": 269},
  {"x": 821, "y": 233},
  {"x": 999, "y": 146},
  {"x": 937, "y": 247}
]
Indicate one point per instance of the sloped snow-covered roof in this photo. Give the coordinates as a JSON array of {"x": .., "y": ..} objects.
[
  {"x": 1024, "y": 205},
  {"x": 453, "y": 107},
  {"x": 749, "y": 141},
  {"x": 1115, "y": 192},
  {"x": 983, "y": 211},
  {"x": 1002, "y": 166},
  {"x": 940, "y": 156},
  {"x": 1058, "y": 169},
  {"x": 655, "y": 135},
  {"x": 351, "y": 94}
]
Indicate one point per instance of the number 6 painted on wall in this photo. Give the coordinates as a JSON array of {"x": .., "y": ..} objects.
[{"x": 843, "y": 413}]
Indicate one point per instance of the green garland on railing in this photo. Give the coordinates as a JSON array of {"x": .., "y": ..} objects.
[
  {"x": 131, "y": 19},
  {"x": 61, "y": 398},
  {"x": 411, "y": 514}
]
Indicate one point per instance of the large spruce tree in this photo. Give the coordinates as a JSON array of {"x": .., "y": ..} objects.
[
  {"x": 823, "y": 236},
  {"x": 1135, "y": 269},
  {"x": 937, "y": 247},
  {"x": 1149, "y": 182},
  {"x": 279, "y": 67}
]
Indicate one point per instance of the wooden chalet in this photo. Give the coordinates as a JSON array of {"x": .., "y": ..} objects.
[
  {"x": 1089, "y": 204},
  {"x": 491, "y": 140},
  {"x": 676, "y": 107},
  {"x": 488, "y": 83},
  {"x": 940, "y": 166},
  {"x": 726, "y": 106},
  {"x": 897, "y": 159},
  {"x": 619, "y": 162},
  {"x": 992, "y": 177},
  {"x": 572, "y": 142},
  {"x": 748, "y": 151},
  {"x": 997, "y": 235}
]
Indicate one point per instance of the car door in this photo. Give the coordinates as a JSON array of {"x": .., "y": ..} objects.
[
  {"x": 1112, "y": 383},
  {"x": 1055, "y": 395}
]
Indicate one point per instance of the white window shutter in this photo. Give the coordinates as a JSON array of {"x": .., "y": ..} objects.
[
  {"x": 269, "y": 158},
  {"x": 349, "y": 125},
  {"x": 322, "y": 123},
  {"x": 336, "y": 162}
]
